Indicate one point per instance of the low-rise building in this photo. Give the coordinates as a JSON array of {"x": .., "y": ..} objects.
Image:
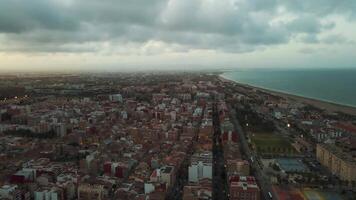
[
  {"x": 90, "y": 192},
  {"x": 201, "y": 191},
  {"x": 244, "y": 188}
]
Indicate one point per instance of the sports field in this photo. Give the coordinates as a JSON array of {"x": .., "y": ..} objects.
[
  {"x": 291, "y": 165},
  {"x": 269, "y": 143}
]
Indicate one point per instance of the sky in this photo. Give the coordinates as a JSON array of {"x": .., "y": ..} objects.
[{"x": 121, "y": 35}]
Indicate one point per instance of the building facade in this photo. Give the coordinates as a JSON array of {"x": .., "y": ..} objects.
[
  {"x": 339, "y": 163},
  {"x": 90, "y": 192}
]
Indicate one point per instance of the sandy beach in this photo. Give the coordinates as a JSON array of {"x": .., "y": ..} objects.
[{"x": 327, "y": 106}]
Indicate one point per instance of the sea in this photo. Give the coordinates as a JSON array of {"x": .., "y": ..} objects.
[{"x": 331, "y": 85}]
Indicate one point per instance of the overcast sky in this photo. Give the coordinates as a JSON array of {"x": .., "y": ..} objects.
[{"x": 176, "y": 34}]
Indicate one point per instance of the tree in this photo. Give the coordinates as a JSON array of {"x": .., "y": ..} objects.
[{"x": 28, "y": 133}]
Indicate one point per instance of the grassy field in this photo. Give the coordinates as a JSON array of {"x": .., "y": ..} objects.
[
  {"x": 269, "y": 143},
  {"x": 311, "y": 194}
]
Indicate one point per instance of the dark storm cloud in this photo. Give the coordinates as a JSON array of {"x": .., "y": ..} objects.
[
  {"x": 117, "y": 11},
  {"x": 18, "y": 16},
  {"x": 321, "y": 7},
  {"x": 224, "y": 25}
]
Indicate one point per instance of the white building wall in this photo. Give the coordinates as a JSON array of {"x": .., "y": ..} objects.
[
  {"x": 200, "y": 170},
  {"x": 39, "y": 196},
  {"x": 207, "y": 171},
  {"x": 193, "y": 173},
  {"x": 48, "y": 195},
  {"x": 116, "y": 98},
  {"x": 54, "y": 196},
  {"x": 166, "y": 178},
  {"x": 149, "y": 187}
]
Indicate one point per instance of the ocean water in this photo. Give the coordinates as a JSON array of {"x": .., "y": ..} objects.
[{"x": 332, "y": 85}]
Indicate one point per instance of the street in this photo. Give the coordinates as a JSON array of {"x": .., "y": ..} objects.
[
  {"x": 220, "y": 190},
  {"x": 264, "y": 183}
]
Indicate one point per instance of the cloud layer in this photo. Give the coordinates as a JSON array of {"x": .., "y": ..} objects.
[
  {"x": 58, "y": 34},
  {"x": 154, "y": 26}
]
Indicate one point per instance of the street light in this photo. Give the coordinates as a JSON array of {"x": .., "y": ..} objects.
[
  {"x": 246, "y": 124},
  {"x": 288, "y": 125}
]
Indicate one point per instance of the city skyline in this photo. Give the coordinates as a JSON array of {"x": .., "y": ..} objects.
[
  {"x": 177, "y": 100},
  {"x": 175, "y": 35}
]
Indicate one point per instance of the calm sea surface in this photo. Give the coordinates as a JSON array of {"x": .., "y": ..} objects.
[{"x": 338, "y": 86}]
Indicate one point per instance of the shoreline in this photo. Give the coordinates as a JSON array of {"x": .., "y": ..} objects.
[{"x": 330, "y": 107}]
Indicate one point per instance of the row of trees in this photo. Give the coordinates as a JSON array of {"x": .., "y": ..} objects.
[
  {"x": 248, "y": 116},
  {"x": 272, "y": 149},
  {"x": 27, "y": 133}
]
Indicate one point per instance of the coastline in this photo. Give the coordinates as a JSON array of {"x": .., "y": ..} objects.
[{"x": 330, "y": 107}]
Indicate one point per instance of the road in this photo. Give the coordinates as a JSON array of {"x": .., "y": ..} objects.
[
  {"x": 219, "y": 171},
  {"x": 264, "y": 183}
]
